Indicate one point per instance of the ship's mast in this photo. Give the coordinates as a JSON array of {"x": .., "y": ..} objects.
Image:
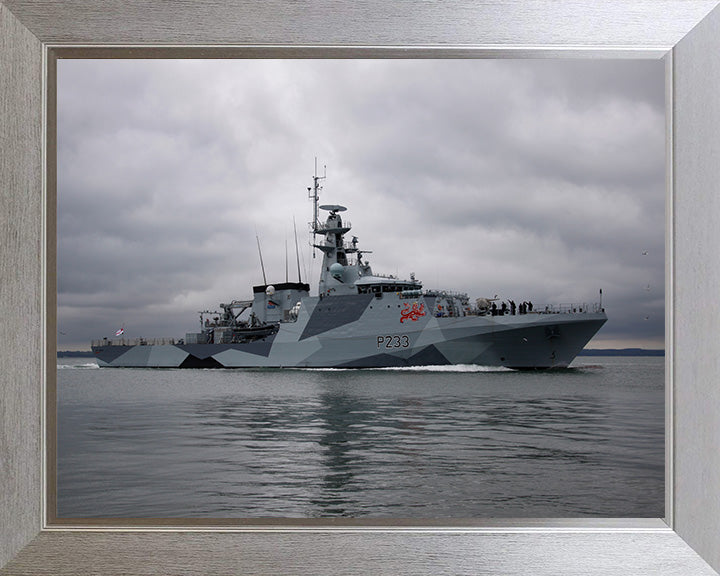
[
  {"x": 337, "y": 273},
  {"x": 314, "y": 195}
]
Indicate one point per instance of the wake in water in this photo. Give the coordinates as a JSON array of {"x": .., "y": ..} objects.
[
  {"x": 584, "y": 368},
  {"x": 88, "y": 366},
  {"x": 464, "y": 368}
]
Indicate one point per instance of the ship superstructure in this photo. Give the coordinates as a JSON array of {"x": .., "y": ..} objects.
[{"x": 363, "y": 320}]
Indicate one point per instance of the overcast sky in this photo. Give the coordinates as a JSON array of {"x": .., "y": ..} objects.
[{"x": 530, "y": 179}]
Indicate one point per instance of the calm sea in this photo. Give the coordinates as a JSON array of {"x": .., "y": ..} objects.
[{"x": 458, "y": 442}]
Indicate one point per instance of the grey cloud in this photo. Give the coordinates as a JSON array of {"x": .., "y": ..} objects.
[{"x": 517, "y": 177}]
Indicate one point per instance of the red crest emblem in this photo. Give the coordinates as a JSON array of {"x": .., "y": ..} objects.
[{"x": 412, "y": 312}]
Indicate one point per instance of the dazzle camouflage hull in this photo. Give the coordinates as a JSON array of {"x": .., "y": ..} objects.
[{"x": 374, "y": 340}]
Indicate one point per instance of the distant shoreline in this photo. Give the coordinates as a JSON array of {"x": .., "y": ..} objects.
[
  {"x": 588, "y": 352},
  {"x": 621, "y": 352}
]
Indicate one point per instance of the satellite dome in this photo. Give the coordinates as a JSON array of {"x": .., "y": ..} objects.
[
  {"x": 270, "y": 290},
  {"x": 336, "y": 270}
]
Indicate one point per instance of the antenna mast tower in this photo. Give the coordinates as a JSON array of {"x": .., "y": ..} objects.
[{"x": 314, "y": 195}]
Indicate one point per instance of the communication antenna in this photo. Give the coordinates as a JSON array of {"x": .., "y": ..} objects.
[
  {"x": 297, "y": 252},
  {"x": 262, "y": 266}
]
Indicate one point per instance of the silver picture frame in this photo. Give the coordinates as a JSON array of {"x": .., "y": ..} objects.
[{"x": 685, "y": 33}]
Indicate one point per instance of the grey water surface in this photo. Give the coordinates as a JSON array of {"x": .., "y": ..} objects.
[{"x": 437, "y": 442}]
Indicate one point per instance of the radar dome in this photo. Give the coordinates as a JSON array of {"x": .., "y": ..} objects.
[
  {"x": 270, "y": 290},
  {"x": 336, "y": 270}
]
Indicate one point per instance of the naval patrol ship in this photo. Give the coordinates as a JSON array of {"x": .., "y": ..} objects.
[{"x": 361, "y": 319}]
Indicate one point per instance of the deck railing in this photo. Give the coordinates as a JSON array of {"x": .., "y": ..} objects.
[{"x": 583, "y": 308}]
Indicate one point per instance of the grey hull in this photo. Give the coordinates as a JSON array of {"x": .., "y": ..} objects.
[{"x": 367, "y": 332}]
